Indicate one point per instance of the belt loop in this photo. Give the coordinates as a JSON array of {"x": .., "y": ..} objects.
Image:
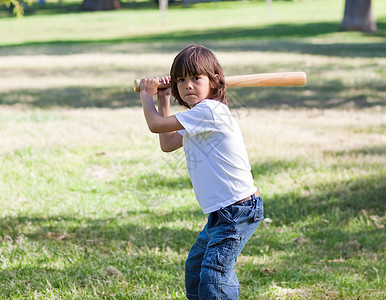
[{"x": 253, "y": 197}]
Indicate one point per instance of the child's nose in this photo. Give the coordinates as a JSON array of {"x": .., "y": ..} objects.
[{"x": 188, "y": 84}]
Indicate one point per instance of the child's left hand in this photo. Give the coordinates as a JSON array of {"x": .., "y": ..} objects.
[{"x": 164, "y": 94}]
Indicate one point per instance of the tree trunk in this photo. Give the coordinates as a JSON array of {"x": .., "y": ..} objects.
[
  {"x": 358, "y": 16},
  {"x": 100, "y": 4}
]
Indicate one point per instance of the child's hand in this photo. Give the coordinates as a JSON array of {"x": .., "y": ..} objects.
[
  {"x": 164, "y": 94},
  {"x": 149, "y": 86}
]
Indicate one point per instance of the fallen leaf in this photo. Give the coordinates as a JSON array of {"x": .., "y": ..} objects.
[
  {"x": 340, "y": 260},
  {"x": 300, "y": 240},
  {"x": 266, "y": 270},
  {"x": 56, "y": 236},
  {"x": 353, "y": 244},
  {"x": 100, "y": 153},
  {"x": 111, "y": 271}
]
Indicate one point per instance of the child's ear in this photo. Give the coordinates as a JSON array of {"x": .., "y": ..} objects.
[{"x": 216, "y": 81}]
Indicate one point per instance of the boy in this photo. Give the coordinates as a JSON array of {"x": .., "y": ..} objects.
[{"x": 217, "y": 163}]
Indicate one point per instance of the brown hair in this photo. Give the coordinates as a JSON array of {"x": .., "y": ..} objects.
[{"x": 198, "y": 60}]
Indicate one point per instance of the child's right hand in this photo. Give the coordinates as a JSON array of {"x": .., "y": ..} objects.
[{"x": 149, "y": 86}]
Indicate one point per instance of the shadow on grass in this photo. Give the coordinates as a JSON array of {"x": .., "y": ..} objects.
[
  {"x": 377, "y": 150},
  {"x": 74, "y": 97},
  {"x": 265, "y": 40},
  {"x": 273, "y": 167},
  {"x": 104, "y": 234},
  {"x": 376, "y": 49},
  {"x": 324, "y": 95},
  {"x": 339, "y": 200}
]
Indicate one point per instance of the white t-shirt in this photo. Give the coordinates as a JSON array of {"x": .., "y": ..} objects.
[{"x": 216, "y": 156}]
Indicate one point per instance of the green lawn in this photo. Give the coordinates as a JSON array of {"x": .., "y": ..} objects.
[
  {"x": 233, "y": 21},
  {"x": 90, "y": 206}
]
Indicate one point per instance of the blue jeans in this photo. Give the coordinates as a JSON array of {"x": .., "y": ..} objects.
[{"x": 209, "y": 268}]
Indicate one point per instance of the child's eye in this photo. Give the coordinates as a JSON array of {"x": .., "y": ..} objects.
[
  {"x": 179, "y": 80},
  {"x": 196, "y": 77}
]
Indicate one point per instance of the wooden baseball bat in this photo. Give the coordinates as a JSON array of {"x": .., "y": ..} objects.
[{"x": 253, "y": 80}]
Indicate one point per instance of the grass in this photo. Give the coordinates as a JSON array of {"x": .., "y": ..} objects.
[
  {"x": 91, "y": 208},
  {"x": 139, "y": 25}
]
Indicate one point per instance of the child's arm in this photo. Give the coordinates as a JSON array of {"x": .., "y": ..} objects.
[
  {"x": 155, "y": 122},
  {"x": 169, "y": 141},
  {"x": 161, "y": 120}
]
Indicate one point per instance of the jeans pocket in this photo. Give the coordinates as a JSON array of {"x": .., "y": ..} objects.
[
  {"x": 222, "y": 252},
  {"x": 233, "y": 213},
  {"x": 259, "y": 211}
]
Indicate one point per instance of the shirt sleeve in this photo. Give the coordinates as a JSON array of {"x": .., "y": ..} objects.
[{"x": 197, "y": 120}]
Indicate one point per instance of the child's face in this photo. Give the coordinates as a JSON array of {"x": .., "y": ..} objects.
[{"x": 193, "y": 89}]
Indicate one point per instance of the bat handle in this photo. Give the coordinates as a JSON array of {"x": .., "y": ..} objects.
[{"x": 137, "y": 86}]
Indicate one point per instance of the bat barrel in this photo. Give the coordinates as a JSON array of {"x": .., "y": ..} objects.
[{"x": 267, "y": 79}]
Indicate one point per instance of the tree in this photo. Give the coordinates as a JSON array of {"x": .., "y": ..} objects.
[
  {"x": 16, "y": 5},
  {"x": 358, "y": 16},
  {"x": 100, "y": 4}
]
